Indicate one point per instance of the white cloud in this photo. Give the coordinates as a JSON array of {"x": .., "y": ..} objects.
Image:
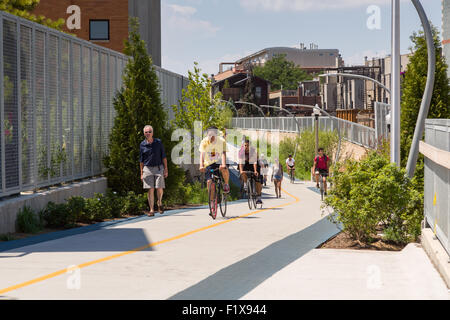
[
  {"x": 181, "y": 22},
  {"x": 183, "y": 10},
  {"x": 308, "y": 5}
]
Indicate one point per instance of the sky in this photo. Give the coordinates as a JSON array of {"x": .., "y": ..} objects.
[{"x": 214, "y": 31}]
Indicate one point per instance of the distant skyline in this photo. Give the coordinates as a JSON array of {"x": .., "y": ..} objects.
[{"x": 214, "y": 31}]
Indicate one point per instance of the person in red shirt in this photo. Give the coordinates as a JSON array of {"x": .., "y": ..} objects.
[{"x": 321, "y": 168}]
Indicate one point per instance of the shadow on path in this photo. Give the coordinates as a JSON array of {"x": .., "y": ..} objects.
[{"x": 236, "y": 280}]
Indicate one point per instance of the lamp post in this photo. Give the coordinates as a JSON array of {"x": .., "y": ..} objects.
[
  {"x": 316, "y": 128},
  {"x": 329, "y": 116},
  {"x": 395, "y": 84},
  {"x": 426, "y": 100},
  {"x": 356, "y": 76}
]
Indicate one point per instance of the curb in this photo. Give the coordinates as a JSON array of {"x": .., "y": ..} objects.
[{"x": 437, "y": 254}]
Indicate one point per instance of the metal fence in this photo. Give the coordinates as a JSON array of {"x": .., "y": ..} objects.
[
  {"x": 437, "y": 179},
  {"x": 353, "y": 132},
  {"x": 56, "y": 104},
  {"x": 382, "y": 112}
]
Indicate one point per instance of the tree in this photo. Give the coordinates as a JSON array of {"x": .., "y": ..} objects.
[
  {"x": 413, "y": 88},
  {"x": 138, "y": 103},
  {"x": 197, "y": 104},
  {"x": 23, "y": 8},
  {"x": 281, "y": 72}
]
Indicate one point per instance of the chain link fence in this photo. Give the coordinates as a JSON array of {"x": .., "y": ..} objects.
[
  {"x": 350, "y": 131},
  {"x": 56, "y": 106}
]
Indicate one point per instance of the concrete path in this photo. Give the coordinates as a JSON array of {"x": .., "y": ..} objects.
[{"x": 250, "y": 254}]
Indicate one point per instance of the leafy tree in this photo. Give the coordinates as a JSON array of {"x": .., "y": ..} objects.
[
  {"x": 413, "y": 87},
  {"x": 197, "y": 104},
  {"x": 23, "y": 9},
  {"x": 138, "y": 103},
  {"x": 281, "y": 72},
  {"x": 249, "y": 96}
]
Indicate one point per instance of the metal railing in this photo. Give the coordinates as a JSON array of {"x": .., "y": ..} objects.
[
  {"x": 350, "y": 131},
  {"x": 56, "y": 104},
  {"x": 436, "y": 150}
]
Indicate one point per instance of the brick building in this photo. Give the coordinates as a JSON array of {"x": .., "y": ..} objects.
[{"x": 105, "y": 22}]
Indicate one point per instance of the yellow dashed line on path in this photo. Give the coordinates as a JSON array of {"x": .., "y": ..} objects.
[{"x": 87, "y": 264}]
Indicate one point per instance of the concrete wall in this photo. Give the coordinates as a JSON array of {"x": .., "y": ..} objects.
[{"x": 9, "y": 208}]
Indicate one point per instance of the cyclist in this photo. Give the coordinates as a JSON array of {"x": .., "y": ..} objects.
[
  {"x": 248, "y": 161},
  {"x": 290, "y": 164},
  {"x": 213, "y": 155},
  {"x": 264, "y": 165},
  {"x": 321, "y": 168}
]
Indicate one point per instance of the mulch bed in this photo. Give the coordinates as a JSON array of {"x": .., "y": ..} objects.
[{"x": 343, "y": 241}]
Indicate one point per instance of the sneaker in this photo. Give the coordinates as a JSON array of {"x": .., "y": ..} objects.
[
  {"x": 259, "y": 201},
  {"x": 226, "y": 188}
]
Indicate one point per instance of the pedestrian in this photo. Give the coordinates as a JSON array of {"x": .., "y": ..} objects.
[
  {"x": 277, "y": 177},
  {"x": 154, "y": 170},
  {"x": 264, "y": 168}
]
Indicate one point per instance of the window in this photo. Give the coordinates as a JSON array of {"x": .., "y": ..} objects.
[
  {"x": 98, "y": 29},
  {"x": 258, "y": 92}
]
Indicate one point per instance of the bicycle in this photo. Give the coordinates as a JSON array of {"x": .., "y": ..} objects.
[
  {"x": 250, "y": 189},
  {"x": 322, "y": 190},
  {"x": 292, "y": 176},
  {"x": 216, "y": 196}
]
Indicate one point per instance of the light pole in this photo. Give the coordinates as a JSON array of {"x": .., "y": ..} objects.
[
  {"x": 322, "y": 111},
  {"x": 426, "y": 101},
  {"x": 316, "y": 128},
  {"x": 356, "y": 76},
  {"x": 395, "y": 84}
]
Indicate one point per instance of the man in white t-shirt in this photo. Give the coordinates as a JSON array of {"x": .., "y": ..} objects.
[{"x": 290, "y": 164}]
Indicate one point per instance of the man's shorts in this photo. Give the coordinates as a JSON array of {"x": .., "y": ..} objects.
[
  {"x": 322, "y": 172},
  {"x": 154, "y": 177},
  {"x": 213, "y": 166},
  {"x": 249, "y": 167}
]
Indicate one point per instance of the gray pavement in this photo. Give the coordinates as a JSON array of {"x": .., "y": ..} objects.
[{"x": 250, "y": 254}]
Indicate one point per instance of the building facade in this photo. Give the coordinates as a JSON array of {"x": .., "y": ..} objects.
[
  {"x": 106, "y": 22},
  {"x": 311, "y": 60}
]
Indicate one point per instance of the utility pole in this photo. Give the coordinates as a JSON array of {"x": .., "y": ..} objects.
[{"x": 395, "y": 84}]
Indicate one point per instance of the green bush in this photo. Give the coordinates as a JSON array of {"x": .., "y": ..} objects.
[
  {"x": 28, "y": 221},
  {"x": 134, "y": 204},
  {"x": 58, "y": 215},
  {"x": 195, "y": 194},
  {"x": 375, "y": 192}
]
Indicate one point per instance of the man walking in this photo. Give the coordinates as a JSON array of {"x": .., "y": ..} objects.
[{"x": 153, "y": 164}]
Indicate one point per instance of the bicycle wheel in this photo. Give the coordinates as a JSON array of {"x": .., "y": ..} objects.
[
  {"x": 254, "y": 196},
  {"x": 212, "y": 197},
  {"x": 249, "y": 193},
  {"x": 321, "y": 188},
  {"x": 223, "y": 202}
]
